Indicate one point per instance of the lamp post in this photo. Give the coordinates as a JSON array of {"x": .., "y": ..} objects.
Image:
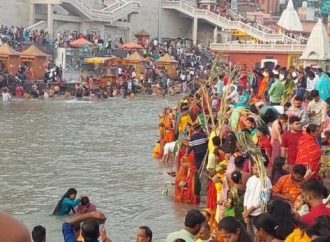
[{"x": 159, "y": 20}]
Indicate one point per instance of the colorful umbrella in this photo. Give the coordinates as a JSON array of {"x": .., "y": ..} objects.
[{"x": 80, "y": 43}]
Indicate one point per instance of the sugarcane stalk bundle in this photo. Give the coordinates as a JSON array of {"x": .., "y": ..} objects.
[{"x": 325, "y": 163}]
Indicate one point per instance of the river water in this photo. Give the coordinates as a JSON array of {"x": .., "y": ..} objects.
[{"x": 102, "y": 148}]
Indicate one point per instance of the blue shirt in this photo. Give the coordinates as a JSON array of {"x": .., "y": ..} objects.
[{"x": 69, "y": 235}]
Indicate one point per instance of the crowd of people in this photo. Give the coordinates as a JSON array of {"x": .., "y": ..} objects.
[
  {"x": 193, "y": 64},
  {"x": 283, "y": 195},
  {"x": 17, "y": 36}
]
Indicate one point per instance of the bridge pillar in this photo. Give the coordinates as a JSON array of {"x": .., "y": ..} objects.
[
  {"x": 50, "y": 20},
  {"x": 215, "y": 35},
  {"x": 194, "y": 31},
  {"x": 32, "y": 13}
]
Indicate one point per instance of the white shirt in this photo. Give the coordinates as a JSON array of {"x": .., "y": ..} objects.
[
  {"x": 6, "y": 97},
  {"x": 234, "y": 96},
  {"x": 320, "y": 110},
  {"x": 311, "y": 84},
  {"x": 252, "y": 196}
]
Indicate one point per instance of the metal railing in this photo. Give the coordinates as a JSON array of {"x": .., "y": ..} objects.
[
  {"x": 109, "y": 14},
  {"x": 258, "y": 47},
  {"x": 226, "y": 23},
  {"x": 41, "y": 25}
]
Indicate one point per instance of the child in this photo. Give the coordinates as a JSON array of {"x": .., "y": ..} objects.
[
  {"x": 300, "y": 207},
  {"x": 264, "y": 140},
  {"x": 234, "y": 203}
]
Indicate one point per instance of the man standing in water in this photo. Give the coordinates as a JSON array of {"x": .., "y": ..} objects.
[
  {"x": 5, "y": 95},
  {"x": 90, "y": 230}
]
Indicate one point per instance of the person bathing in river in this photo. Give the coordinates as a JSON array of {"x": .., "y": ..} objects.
[
  {"x": 67, "y": 203},
  {"x": 85, "y": 206}
]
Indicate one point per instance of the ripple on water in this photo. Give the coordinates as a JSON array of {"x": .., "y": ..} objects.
[{"x": 102, "y": 148}]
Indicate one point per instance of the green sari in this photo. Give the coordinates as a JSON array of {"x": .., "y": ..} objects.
[{"x": 288, "y": 90}]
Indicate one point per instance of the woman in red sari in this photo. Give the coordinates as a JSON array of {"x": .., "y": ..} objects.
[{"x": 309, "y": 151}]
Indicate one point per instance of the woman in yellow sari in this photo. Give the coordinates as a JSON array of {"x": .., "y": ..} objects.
[{"x": 161, "y": 124}]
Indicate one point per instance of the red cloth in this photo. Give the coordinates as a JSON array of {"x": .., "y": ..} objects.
[
  {"x": 290, "y": 141},
  {"x": 225, "y": 80},
  {"x": 309, "y": 153},
  {"x": 315, "y": 212},
  {"x": 211, "y": 196},
  {"x": 19, "y": 91},
  {"x": 243, "y": 80},
  {"x": 264, "y": 143}
]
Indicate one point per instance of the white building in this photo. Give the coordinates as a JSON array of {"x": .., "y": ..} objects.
[
  {"x": 122, "y": 18},
  {"x": 317, "y": 51}
]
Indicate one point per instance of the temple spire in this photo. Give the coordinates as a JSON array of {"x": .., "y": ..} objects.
[
  {"x": 318, "y": 44},
  {"x": 289, "y": 19}
]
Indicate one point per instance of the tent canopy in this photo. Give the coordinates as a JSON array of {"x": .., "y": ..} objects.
[
  {"x": 33, "y": 51},
  {"x": 142, "y": 33},
  {"x": 99, "y": 60},
  {"x": 135, "y": 57},
  {"x": 81, "y": 42},
  {"x": 6, "y": 50},
  {"x": 131, "y": 45},
  {"x": 166, "y": 59}
]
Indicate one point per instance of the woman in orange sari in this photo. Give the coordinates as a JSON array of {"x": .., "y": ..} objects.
[
  {"x": 263, "y": 84},
  {"x": 187, "y": 186},
  {"x": 169, "y": 126}
]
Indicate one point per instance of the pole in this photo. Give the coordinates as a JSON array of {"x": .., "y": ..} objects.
[{"x": 159, "y": 21}]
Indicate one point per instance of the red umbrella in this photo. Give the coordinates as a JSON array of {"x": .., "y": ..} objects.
[
  {"x": 80, "y": 43},
  {"x": 131, "y": 45}
]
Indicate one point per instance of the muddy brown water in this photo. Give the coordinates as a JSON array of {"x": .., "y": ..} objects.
[{"x": 102, "y": 148}]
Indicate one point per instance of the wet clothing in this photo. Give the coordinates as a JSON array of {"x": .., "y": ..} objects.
[{"x": 67, "y": 205}]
